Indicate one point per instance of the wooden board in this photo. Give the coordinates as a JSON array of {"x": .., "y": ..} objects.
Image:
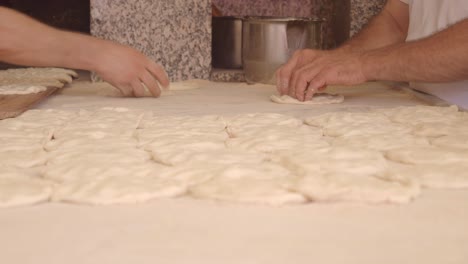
[{"x": 15, "y": 104}]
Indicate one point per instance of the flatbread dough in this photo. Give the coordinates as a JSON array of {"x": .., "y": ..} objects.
[
  {"x": 115, "y": 185},
  {"x": 452, "y": 141},
  {"x": 21, "y": 89},
  {"x": 317, "y": 99},
  {"x": 344, "y": 124},
  {"x": 333, "y": 187},
  {"x": 435, "y": 175},
  {"x": 428, "y": 155},
  {"x": 246, "y": 124},
  {"x": 33, "y": 80},
  {"x": 119, "y": 155},
  {"x": 266, "y": 183},
  {"x": 19, "y": 187}
]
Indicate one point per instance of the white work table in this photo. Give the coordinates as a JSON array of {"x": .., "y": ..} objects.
[{"x": 432, "y": 229}]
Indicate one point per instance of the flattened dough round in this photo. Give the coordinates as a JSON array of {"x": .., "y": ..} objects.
[
  {"x": 317, "y": 99},
  {"x": 19, "y": 187}
]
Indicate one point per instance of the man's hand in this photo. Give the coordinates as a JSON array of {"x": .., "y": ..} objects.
[
  {"x": 309, "y": 71},
  {"x": 129, "y": 70},
  {"x": 25, "y": 41}
]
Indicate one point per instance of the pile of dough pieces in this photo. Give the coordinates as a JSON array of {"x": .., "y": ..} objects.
[
  {"x": 33, "y": 80},
  {"x": 121, "y": 156}
]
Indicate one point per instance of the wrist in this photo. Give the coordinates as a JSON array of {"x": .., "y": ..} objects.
[
  {"x": 84, "y": 51},
  {"x": 370, "y": 66}
]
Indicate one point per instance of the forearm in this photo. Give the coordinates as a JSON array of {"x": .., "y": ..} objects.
[
  {"x": 387, "y": 28},
  {"x": 442, "y": 57},
  {"x": 25, "y": 41}
]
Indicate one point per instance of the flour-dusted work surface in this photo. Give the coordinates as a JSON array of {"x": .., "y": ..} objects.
[
  {"x": 429, "y": 230},
  {"x": 176, "y": 34}
]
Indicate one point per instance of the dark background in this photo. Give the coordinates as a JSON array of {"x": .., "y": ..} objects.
[{"x": 66, "y": 14}]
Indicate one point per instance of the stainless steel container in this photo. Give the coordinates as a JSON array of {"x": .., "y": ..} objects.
[
  {"x": 269, "y": 42},
  {"x": 227, "y": 42}
]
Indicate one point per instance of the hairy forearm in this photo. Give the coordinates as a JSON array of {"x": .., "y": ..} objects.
[
  {"x": 25, "y": 41},
  {"x": 442, "y": 57},
  {"x": 387, "y": 28}
]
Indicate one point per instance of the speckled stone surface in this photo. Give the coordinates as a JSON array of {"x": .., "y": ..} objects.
[
  {"x": 220, "y": 75},
  {"x": 362, "y": 11},
  {"x": 175, "y": 33}
]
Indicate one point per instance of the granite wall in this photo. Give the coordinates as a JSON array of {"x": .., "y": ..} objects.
[
  {"x": 175, "y": 33},
  {"x": 362, "y": 11}
]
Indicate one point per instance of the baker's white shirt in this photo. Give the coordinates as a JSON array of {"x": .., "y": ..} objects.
[{"x": 426, "y": 18}]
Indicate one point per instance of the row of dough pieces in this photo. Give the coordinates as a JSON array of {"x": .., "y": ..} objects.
[
  {"x": 36, "y": 80},
  {"x": 108, "y": 156},
  {"x": 33, "y": 80}
]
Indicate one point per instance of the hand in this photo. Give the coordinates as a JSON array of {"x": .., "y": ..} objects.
[
  {"x": 129, "y": 70},
  {"x": 309, "y": 71}
]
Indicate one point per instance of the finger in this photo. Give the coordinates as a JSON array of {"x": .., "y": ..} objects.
[
  {"x": 138, "y": 88},
  {"x": 302, "y": 78},
  {"x": 316, "y": 84},
  {"x": 285, "y": 71},
  {"x": 311, "y": 92},
  {"x": 278, "y": 81},
  {"x": 159, "y": 73},
  {"x": 151, "y": 84},
  {"x": 125, "y": 90},
  {"x": 323, "y": 88}
]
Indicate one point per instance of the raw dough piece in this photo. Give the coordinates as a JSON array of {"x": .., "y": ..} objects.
[
  {"x": 34, "y": 75},
  {"x": 421, "y": 114},
  {"x": 435, "y": 175},
  {"x": 270, "y": 140},
  {"x": 20, "y": 187},
  {"x": 21, "y": 89},
  {"x": 428, "y": 155},
  {"x": 117, "y": 185},
  {"x": 91, "y": 144},
  {"x": 105, "y": 122},
  {"x": 347, "y": 174},
  {"x": 103, "y": 156},
  {"x": 265, "y": 183},
  {"x": 222, "y": 157},
  {"x": 40, "y": 119},
  {"x": 338, "y": 160},
  {"x": 42, "y": 133},
  {"x": 340, "y": 124},
  {"x": 452, "y": 141},
  {"x": 437, "y": 129},
  {"x": 246, "y": 124},
  {"x": 19, "y": 144},
  {"x": 317, "y": 99},
  {"x": 147, "y": 136},
  {"x": 23, "y": 158},
  {"x": 342, "y": 186},
  {"x": 208, "y": 124},
  {"x": 47, "y": 77},
  {"x": 381, "y": 142},
  {"x": 176, "y": 144}
]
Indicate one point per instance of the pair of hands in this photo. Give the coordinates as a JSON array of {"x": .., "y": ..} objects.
[
  {"x": 129, "y": 70},
  {"x": 310, "y": 71},
  {"x": 307, "y": 72}
]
